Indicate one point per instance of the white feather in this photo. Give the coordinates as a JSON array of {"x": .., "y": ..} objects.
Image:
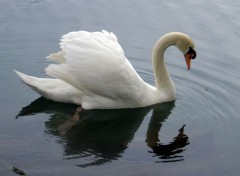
[
  {"x": 96, "y": 65},
  {"x": 52, "y": 89}
]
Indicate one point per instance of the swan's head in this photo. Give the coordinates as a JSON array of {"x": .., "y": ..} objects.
[{"x": 186, "y": 45}]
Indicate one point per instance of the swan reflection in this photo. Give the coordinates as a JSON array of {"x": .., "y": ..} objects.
[{"x": 104, "y": 135}]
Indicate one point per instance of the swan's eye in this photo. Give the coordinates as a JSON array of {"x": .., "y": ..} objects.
[{"x": 192, "y": 53}]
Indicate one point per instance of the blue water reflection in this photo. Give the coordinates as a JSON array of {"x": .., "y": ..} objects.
[{"x": 103, "y": 135}]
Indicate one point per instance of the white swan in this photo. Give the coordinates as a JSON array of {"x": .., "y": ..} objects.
[{"x": 92, "y": 71}]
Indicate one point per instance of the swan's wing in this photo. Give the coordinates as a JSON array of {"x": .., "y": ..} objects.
[
  {"x": 95, "y": 64},
  {"x": 64, "y": 41}
]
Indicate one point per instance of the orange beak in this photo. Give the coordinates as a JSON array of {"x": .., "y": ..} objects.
[{"x": 188, "y": 60}]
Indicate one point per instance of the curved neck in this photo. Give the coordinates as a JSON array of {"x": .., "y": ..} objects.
[{"x": 163, "y": 80}]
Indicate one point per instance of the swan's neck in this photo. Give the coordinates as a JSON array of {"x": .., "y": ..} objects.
[{"x": 163, "y": 80}]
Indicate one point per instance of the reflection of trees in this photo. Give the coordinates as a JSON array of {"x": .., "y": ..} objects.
[{"x": 103, "y": 135}]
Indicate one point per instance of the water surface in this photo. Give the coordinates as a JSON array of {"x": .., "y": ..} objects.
[{"x": 143, "y": 141}]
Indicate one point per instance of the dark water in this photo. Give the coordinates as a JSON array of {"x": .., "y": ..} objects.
[{"x": 145, "y": 141}]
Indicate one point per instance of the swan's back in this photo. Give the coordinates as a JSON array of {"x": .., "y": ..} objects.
[{"x": 95, "y": 64}]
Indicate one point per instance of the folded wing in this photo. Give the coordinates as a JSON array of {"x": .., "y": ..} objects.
[{"x": 95, "y": 64}]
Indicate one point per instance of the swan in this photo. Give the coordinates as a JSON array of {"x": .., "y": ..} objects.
[{"x": 93, "y": 72}]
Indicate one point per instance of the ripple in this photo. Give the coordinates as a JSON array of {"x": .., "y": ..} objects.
[{"x": 205, "y": 97}]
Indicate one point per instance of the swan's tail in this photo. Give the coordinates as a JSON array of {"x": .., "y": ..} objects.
[
  {"x": 33, "y": 82},
  {"x": 52, "y": 89}
]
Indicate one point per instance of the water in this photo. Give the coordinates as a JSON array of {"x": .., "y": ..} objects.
[{"x": 143, "y": 141}]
